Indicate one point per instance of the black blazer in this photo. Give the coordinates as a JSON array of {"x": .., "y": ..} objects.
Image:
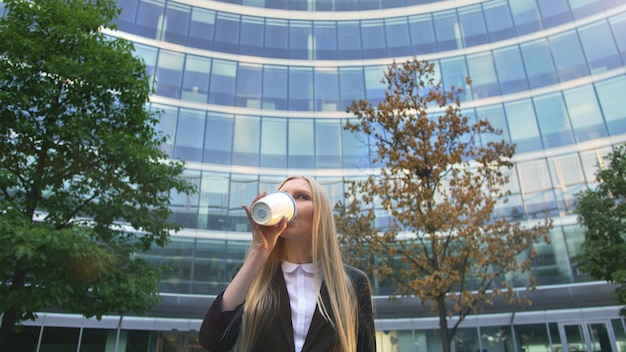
[{"x": 277, "y": 336}]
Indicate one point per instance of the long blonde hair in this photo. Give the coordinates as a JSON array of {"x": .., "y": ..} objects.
[{"x": 262, "y": 301}]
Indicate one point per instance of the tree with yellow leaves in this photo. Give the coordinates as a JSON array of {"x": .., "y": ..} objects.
[{"x": 439, "y": 185}]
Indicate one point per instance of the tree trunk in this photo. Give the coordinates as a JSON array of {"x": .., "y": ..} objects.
[
  {"x": 443, "y": 325},
  {"x": 6, "y": 329}
]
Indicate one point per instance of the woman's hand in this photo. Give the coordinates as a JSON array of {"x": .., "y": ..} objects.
[{"x": 264, "y": 238}]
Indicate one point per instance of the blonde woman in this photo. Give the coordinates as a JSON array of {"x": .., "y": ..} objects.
[{"x": 293, "y": 292}]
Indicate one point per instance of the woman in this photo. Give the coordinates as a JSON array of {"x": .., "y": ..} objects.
[{"x": 293, "y": 292}]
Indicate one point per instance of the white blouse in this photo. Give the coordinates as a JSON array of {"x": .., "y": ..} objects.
[{"x": 302, "y": 298}]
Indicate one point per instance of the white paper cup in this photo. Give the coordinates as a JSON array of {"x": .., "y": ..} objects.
[{"x": 270, "y": 209}]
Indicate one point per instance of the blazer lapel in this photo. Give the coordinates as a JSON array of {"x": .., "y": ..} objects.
[{"x": 284, "y": 309}]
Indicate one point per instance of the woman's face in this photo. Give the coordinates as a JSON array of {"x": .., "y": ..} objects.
[{"x": 302, "y": 225}]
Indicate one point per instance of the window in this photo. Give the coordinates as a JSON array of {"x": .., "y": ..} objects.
[
  {"x": 525, "y": 16},
  {"x": 611, "y": 95},
  {"x": 223, "y": 82},
  {"x": 539, "y": 64},
  {"x": 301, "y": 88},
  {"x": 176, "y": 23},
  {"x": 300, "y": 40},
  {"x": 227, "y": 33},
  {"x": 167, "y": 126},
  {"x": 553, "y": 120},
  {"x": 301, "y": 144},
  {"x": 275, "y": 87},
  {"x": 349, "y": 40},
  {"x": 568, "y": 56},
  {"x": 326, "y": 89},
  {"x": 454, "y": 72},
  {"x": 448, "y": 30},
  {"x": 246, "y": 141},
  {"x": 249, "y": 85},
  {"x": 276, "y": 38},
  {"x": 523, "y": 126},
  {"x": 196, "y": 79},
  {"x": 483, "y": 75},
  {"x": 498, "y": 19},
  {"x": 201, "y": 28},
  {"x": 327, "y": 144},
  {"x": 373, "y": 33},
  {"x": 510, "y": 69},
  {"x": 599, "y": 47},
  {"x": 251, "y": 41},
  {"x": 585, "y": 114},
  {"x": 473, "y": 27},
  {"x": 351, "y": 86},
  {"x": 325, "y": 40},
  {"x": 190, "y": 135},
  {"x": 274, "y": 142},
  {"x": 218, "y": 138},
  {"x": 422, "y": 34},
  {"x": 554, "y": 12},
  {"x": 169, "y": 73},
  {"x": 150, "y": 21},
  {"x": 397, "y": 36}
]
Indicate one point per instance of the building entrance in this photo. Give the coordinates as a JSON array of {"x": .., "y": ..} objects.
[{"x": 594, "y": 336}]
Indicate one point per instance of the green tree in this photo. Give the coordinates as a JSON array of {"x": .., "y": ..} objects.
[
  {"x": 603, "y": 212},
  {"x": 84, "y": 185},
  {"x": 439, "y": 185}
]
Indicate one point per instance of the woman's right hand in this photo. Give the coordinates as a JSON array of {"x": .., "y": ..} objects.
[{"x": 264, "y": 238}]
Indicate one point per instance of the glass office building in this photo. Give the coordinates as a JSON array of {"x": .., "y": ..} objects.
[{"x": 254, "y": 90}]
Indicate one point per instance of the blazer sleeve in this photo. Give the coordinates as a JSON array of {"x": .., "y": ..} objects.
[
  {"x": 219, "y": 330},
  {"x": 366, "y": 339}
]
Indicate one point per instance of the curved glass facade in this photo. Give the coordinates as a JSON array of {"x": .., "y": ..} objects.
[{"x": 254, "y": 90}]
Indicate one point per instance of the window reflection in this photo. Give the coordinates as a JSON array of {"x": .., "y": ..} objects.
[{"x": 610, "y": 94}]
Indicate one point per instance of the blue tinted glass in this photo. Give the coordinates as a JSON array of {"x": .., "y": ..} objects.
[
  {"x": 498, "y": 19},
  {"x": 618, "y": 26},
  {"x": 373, "y": 33},
  {"x": 525, "y": 16},
  {"x": 300, "y": 33},
  {"x": 246, "y": 141},
  {"x": 510, "y": 70},
  {"x": 201, "y": 28},
  {"x": 218, "y": 138},
  {"x": 223, "y": 82},
  {"x": 473, "y": 25},
  {"x": 349, "y": 40},
  {"x": 568, "y": 56},
  {"x": 446, "y": 28},
  {"x": 327, "y": 143},
  {"x": 169, "y": 73},
  {"x": 325, "y": 40},
  {"x": 345, "y": 5},
  {"x": 249, "y": 86},
  {"x": 454, "y": 74},
  {"x": 422, "y": 34},
  {"x": 251, "y": 39},
  {"x": 176, "y": 23},
  {"x": 351, "y": 86},
  {"x": 301, "y": 144},
  {"x": 149, "y": 55},
  {"x": 523, "y": 126},
  {"x": 243, "y": 189},
  {"x": 553, "y": 120},
  {"x": 227, "y": 33},
  {"x": 274, "y": 142},
  {"x": 397, "y": 35},
  {"x": 482, "y": 72},
  {"x": 584, "y": 8},
  {"x": 585, "y": 114},
  {"x": 374, "y": 88},
  {"x": 148, "y": 22},
  {"x": 167, "y": 126},
  {"x": 354, "y": 148},
  {"x": 190, "y": 135},
  {"x": 125, "y": 21},
  {"x": 275, "y": 88},
  {"x": 196, "y": 78},
  {"x": 326, "y": 89},
  {"x": 538, "y": 63},
  {"x": 497, "y": 119},
  {"x": 554, "y": 12},
  {"x": 611, "y": 96},
  {"x": 276, "y": 38},
  {"x": 599, "y": 46},
  {"x": 301, "y": 88}
]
